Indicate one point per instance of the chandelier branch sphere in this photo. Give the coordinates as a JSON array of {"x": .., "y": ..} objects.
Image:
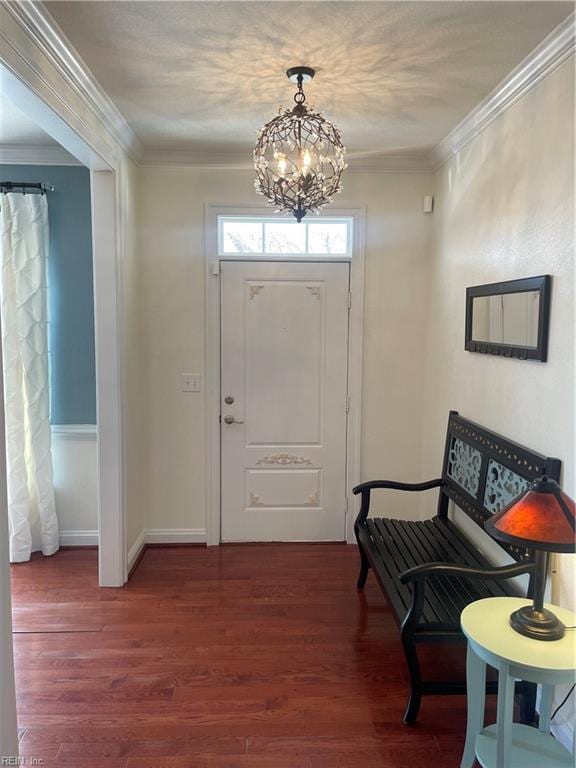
[{"x": 299, "y": 156}]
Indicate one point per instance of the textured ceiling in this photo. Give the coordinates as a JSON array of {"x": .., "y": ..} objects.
[
  {"x": 17, "y": 129},
  {"x": 394, "y": 76}
]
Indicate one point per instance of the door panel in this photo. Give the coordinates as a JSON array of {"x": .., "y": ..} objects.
[
  {"x": 284, "y": 346},
  {"x": 284, "y": 351}
]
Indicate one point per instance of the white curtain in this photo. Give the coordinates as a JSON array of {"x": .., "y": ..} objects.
[{"x": 23, "y": 299}]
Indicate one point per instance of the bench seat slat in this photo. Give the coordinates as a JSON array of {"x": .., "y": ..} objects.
[
  {"x": 437, "y": 597},
  {"x": 467, "y": 590},
  {"x": 429, "y": 549},
  {"x": 393, "y": 542},
  {"x": 396, "y": 545},
  {"x": 482, "y": 588},
  {"x": 432, "y": 551},
  {"x": 453, "y": 535},
  {"x": 389, "y": 564},
  {"x": 398, "y": 594},
  {"x": 390, "y": 560},
  {"x": 457, "y": 543}
]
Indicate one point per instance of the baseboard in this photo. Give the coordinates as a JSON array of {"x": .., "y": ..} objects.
[
  {"x": 78, "y": 538},
  {"x": 146, "y": 536},
  {"x": 75, "y": 431},
  {"x": 162, "y": 536},
  {"x": 136, "y": 551},
  {"x": 175, "y": 536}
]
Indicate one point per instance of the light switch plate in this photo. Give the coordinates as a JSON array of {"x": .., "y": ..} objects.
[{"x": 190, "y": 382}]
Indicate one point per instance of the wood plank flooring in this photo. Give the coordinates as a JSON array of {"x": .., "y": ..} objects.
[{"x": 251, "y": 655}]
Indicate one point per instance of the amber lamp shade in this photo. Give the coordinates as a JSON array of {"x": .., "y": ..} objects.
[{"x": 541, "y": 519}]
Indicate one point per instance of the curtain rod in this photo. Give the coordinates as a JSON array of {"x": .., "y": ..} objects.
[{"x": 25, "y": 186}]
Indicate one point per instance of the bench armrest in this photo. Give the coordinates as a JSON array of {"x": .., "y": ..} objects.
[
  {"x": 395, "y": 486},
  {"x": 417, "y": 577},
  {"x": 420, "y": 572},
  {"x": 366, "y": 488}
]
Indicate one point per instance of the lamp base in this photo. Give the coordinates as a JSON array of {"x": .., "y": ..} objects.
[{"x": 537, "y": 624}]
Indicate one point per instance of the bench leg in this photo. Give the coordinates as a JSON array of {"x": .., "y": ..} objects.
[
  {"x": 528, "y": 703},
  {"x": 364, "y": 568},
  {"x": 413, "y": 705}
]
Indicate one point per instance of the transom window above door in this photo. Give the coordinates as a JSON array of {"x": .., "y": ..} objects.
[{"x": 268, "y": 236}]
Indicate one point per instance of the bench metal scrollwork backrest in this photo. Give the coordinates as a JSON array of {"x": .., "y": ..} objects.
[{"x": 483, "y": 472}]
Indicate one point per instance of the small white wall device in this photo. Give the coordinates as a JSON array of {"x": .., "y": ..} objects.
[{"x": 428, "y": 204}]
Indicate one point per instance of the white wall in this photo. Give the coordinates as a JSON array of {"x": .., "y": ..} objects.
[
  {"x": 171, "y": 263},
  {"x": 74, "y": 459},
  {"x": 504, "y": 209}
]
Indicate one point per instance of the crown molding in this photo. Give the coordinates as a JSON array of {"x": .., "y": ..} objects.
[
  {"x": 209, "y": 161},
  {"x": 36, "y": 155},
  {"x": 412, "y": 162},
  {"x": 40, "y": 28},
  {"x": 242, "y": 161},
  {"x": 544, "y": 59}
]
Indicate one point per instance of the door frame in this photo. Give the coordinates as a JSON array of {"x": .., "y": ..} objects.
[
  {"x": 213, "y": 364},
  {"x": 107, "y": 178}
]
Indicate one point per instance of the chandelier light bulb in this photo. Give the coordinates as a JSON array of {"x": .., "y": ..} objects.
[
  {"x": 306, "y": 161},
  {"x": 299, "y": 156},
  {"x": 282, "y": 163}
]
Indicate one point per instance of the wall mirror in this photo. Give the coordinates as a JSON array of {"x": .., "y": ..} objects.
[{"x": 509, "y": 319}]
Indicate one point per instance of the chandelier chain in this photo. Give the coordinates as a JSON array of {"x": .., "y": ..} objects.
[{"x": 300, "y": 96}]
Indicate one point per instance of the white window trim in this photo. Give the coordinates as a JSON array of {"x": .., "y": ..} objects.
[{"x": 356, "y": 259}]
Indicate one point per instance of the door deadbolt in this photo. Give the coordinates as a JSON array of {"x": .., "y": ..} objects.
[{"x": 228, "y": 399}]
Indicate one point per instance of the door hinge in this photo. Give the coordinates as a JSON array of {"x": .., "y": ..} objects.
[
  {"x": 347, "y": 404},
  {"x": 349, "y": 299}
]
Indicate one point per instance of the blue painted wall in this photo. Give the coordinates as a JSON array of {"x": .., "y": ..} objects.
[{"x": 71, "y": 293}]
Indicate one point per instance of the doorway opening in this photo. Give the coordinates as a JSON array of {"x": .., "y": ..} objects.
[
  {"x": 74, "y": 208},
  {"x": 284, "y": 335},
  {"x": 47, "y": 311}
]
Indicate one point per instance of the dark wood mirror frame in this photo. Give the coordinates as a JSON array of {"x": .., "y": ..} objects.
[{"x": 542, "y": 284}]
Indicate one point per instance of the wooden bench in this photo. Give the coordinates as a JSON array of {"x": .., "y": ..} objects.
[{"x": 430, "y": 570}]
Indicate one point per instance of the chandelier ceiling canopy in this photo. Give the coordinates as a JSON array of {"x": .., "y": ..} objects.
[{"x": 299, "y": 156}]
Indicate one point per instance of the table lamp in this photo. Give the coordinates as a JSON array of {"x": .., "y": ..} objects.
[{"x": 542, "y": 519}]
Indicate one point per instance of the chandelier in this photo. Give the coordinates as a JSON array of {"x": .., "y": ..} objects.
[{"x": 299, "y": 156}]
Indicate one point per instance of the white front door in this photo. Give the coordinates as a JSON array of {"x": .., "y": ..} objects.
[{"x": 284, "y": 386}]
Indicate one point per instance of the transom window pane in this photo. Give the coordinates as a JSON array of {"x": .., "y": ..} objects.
[
  {"x": 242, "y": 236},
  {"x": 275, "y": 237},
  {"x": 284, "y": 237},
  {"x": 328, "y": 237}
]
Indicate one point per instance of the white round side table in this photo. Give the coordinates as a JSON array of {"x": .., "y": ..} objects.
[{"x": 491, "y": 640}]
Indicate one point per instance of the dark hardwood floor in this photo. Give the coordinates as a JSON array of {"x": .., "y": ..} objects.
[{"x": 249, "y": 655}]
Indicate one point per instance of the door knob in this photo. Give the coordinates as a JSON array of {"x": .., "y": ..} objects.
[{"x": 232, "y": 420}]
